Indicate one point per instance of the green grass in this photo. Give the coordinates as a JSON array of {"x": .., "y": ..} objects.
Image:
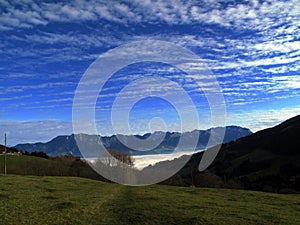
[
  {"x": 70, "y": 200},
  {"x": 28, "y": 165},
  {"x": 31, "y": 165}
]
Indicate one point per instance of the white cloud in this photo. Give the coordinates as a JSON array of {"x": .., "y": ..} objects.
[
  {"x": 275, "y": 24},
  {"x": 286, "y": 82},
  {"x": 253, "y": 15},
  {"x": 15, "y": 97},
  {"x": 278, "y": 32},
  {"x": 282, "y": 46},
  {"x": 33, "y": 131},
  {"x": 270, "y": 61},
  {"x": 260, "y": 119},
  {"x": 21, "y": 88}
]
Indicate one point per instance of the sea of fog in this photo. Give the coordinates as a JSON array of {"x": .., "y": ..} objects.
[{"x": 141, "y": 161}]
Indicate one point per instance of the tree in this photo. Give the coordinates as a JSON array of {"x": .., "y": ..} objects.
[
  {"x": 116, "y": 166},
  {"x": 114, "y": 158}
]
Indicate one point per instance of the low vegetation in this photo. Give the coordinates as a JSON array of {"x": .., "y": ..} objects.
[
  {"x": 38, "y": 165},
  {"x": 71, "y": 200}
]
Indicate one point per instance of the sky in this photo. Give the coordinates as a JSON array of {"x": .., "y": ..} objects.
[{"x": 251, "y": 47}]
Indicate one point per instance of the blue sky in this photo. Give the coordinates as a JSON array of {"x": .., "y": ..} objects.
[{"x": 252, "y": 48}]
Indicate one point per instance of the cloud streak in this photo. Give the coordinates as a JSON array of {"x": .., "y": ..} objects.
[{"x": 252, "y": 47}]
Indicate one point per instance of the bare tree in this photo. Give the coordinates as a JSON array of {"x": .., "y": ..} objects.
[{"x": 114, "y": 158}]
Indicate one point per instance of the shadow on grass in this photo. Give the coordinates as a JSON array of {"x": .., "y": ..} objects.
[
  {"x": 132, "y": 207},
  {"x": 48, "y": 197},
  {"x": 63, "y": 205},
  {"x": 3, "y": 196}
]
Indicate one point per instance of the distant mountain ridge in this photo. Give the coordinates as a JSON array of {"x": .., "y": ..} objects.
[
  {"x": 62, "y": 145},
  {"x": 268, "y": 160}
]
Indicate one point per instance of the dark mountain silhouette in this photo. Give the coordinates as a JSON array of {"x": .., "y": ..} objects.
[
  {"x": 268, "y": 160},
  {"x": 62, "y": 145}
]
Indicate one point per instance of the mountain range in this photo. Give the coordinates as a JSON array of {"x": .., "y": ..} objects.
[
  {"x": 66, "y": 144},
  {"x": 268, "y": 160}
]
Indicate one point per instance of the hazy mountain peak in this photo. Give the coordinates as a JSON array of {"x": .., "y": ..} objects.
[{"x": 64, "y": 144}]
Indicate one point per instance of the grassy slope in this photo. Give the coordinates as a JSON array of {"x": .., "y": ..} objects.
[
  {"x": 68, "y": 200},
  {"x": 30, "y": 165},
  {"x": 16, "y": 162}
]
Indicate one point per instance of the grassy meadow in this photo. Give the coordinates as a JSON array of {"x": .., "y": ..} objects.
[{"x": 71, "y": 200}]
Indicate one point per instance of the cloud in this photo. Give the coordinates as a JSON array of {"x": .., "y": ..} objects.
[
  {"x": 33, "y": 131},
  {"x": 250, "y": 46},
  {"x": 272, "y": 19},
  {"x": 257, "y": 120},
  {"x": 278, "y": 60},
  {"x": 15, "y": 97},
  {"x": 253, "y": 15},
  {"x": 42, "y": 86},
  {"x": 286, "y": 83}
]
